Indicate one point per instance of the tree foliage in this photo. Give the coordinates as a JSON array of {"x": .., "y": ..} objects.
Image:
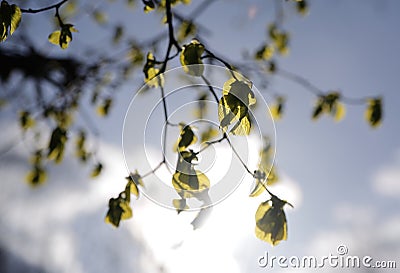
[{"x": 68, "y": 78}]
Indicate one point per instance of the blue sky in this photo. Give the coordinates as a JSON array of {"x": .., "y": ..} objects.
[{"x": 344, "y": 177}]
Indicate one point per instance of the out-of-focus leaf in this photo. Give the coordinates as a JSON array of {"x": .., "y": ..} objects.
[
  {"x": 148, "y": 5},
  {"x": 118, "y": 33},
  {"x": 271, "y": 225},
  {"x": 191, "y": 58},
  {"x": 180, "y": 205},
  {"x": 98, "y": 168},
  {"x": 329, "y": 104},
  {"x": 100, "y": 17},
  {"x": 265, "y": 52},
  {"x": 302, "y": 7},
  {"x": 208, "y": 134},
  {"x": 104, "y": 108},
  {"x": 25, "y": 120},
  {"x": 36, "y": 176},
  {"x": 278, "y": 108},
  {"x": 186, "y": 29},
  {"x": 373, "y": 113},
  {"x": 10, "y": 17},
  {"x": 55, "y": 150}
]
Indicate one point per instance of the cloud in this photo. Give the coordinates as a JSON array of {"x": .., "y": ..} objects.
[{"x": 386, "y": 180}]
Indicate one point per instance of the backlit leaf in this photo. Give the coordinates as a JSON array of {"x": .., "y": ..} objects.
[
  {"x": 134, "y": 180},
  {"x": 10, "y": 17},
  {"x": 98, "y": 168},
  {"x": 152, "y": 77},
  {"x": 210, "y": 133},
  {"x": 278, "y": 108},
  {"x": 104, "y": 108},
  {"x": 271, "y": 225},
  {"x": 329, "y": 104},
  {"x": 186, "y": 138},
  {"x": 62, "y": 37},
  {"x": 233, "y": 107},
  {"x": 36, "y": 176},
  {"x": 56, "y": 145},
  {"x": 25, "y": 120},
  {"x": 373, "y": 113},
  {"x": 265, "y": 52},
  {"x": 118, "y": 209},
  {"x": 180, "y": 205},
  {"x": 191, "y": 58}
]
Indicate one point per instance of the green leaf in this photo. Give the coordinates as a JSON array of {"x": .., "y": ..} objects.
[
  {"x": 148, "y": 5},
  {"x": 104, "y": 108},
  {"x": 10, "y": 17},
  {"x": 118, "y": 33},
  {"x": 187, "y": 181},
  {"x": 373, "y": 113},
  {"x": 186, "y": 29},
  {"x": 271, "y": 225},
  {"x": 98, "y": 168},
  {"x": 100, "y": 17},
  {"x": 234, "y": 106},
  {"x": 329, "y": 104},
  {"x": 134, "y": 180},
  {"x": 36, "y": 176},
  {"x": 25, "y": 120},
  {"x": 180, "y": 205},
  {"x": 55, "y": 150},
  {"x": 152, "y": 77},
  {"x": 62, "y": 37},
  {"x": 278, "y": 108},
  {"x": 302, "y": 7},
  {"x": 210, "y": 133},
  {"x": 186, "y": 138},
  {"x": 191, "y": 58},
  {"x": 265, "y": 52},
  {"x": 118, "y": 209}
]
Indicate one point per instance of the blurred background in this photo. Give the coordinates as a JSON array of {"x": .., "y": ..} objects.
[{"x": 342, "y": 178}]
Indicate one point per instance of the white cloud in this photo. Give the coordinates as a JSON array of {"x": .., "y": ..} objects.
[{"x": 386, "y": 180}]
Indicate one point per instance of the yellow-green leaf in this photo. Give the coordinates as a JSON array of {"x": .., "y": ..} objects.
[
  {"x": 104, "y": 108},
  {"x": 234, "y": 107},
  {"x": 278, "y": 108},
  {"x": 191, "y": 58},
  {"x": 36, "y": 176},
  {"x": 180, "y": 205},
  {"x": 98, "y": 168},
  {"x": 25, "y": 120},
  {"x": 134, "y": 180},
  {"x": 100, "y": 17},
  {"x": 10, "y": 17},
  {"x": 271, "y": 225},
  {"x": 186, "y": 29},
  {"x": 302, "y": 7},
  {"x": 373, "y": 113},
  {"x": 152, "y": 76},
  {"x": 210, "y": 133},
  {"x": 62, "y": 37},
  {"x": 186, "y": 138},
  {"x": 56, "y": 145},
  {"x": 265, "y": 52},
  {"x": 118, "y": 209}
]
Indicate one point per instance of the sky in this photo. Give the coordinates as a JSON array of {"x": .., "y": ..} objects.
[{"x": 342, "y": 178}]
